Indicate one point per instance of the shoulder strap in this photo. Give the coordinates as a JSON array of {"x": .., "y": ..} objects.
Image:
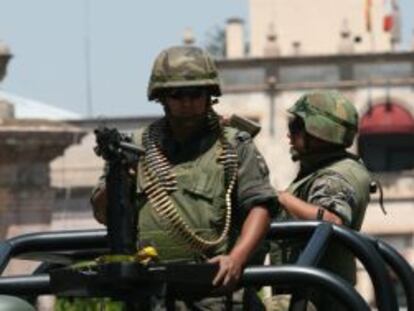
[{"x": 235, "y": 136}]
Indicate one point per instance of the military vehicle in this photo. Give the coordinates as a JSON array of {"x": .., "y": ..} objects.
[{"x": 105, "y": 263}]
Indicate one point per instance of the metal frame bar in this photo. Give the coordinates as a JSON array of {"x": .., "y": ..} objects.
[
  {"x": 399, "y": 266},
  {"x": 306, "y": 276},
  {"x": 311, "y": 255},
  {"x": 255, "y": 275},
  {"x": 60, "y": 241},
  {"x": 362, "y": 249},
  {"x": 370, "y": 251},
  {"x": 30, "y": 285}
]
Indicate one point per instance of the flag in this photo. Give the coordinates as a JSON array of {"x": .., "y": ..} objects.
[
  {"x": 392, "y": 22},
  {"x": 388, "y": 22}
]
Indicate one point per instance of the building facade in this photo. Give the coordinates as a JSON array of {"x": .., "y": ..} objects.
[{"x": 317, "y": 27}]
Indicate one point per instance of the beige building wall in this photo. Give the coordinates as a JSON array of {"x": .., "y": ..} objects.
[
  {"x": 79, "y": 166},
  {"x": 234, "y": 38},
  {"x": 316, "y": 25}
]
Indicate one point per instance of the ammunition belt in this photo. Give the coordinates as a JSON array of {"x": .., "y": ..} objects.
[{"x": 160, "y": 181}]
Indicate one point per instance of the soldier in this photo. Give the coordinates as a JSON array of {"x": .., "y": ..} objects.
[
  {"x": 332, "y": 184},
  {"x": 203, "y": 188}
]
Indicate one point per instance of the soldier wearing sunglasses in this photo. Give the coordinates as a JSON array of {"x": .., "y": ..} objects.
[
  {"x": 332, "y": 185},
  {"x": 203, "y": 189}
]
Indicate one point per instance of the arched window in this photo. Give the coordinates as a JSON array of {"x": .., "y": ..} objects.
[{"x": 386, "y": 141}]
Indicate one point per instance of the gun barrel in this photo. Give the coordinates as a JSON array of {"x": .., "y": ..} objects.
[{"x": 131, "y": 147}]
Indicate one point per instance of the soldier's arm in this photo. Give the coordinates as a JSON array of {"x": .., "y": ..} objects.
[
  {"x": 98, "y": 198},
  {"x": 304, "y": 210},
  {"x": 253, "y": 231},
  {"x": 257, "y": 200},
  {"x": 332, "y": 193},
  {"x": 254, "y": 187}
]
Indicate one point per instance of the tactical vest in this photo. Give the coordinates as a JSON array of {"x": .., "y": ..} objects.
[
  {"x": 199, "y": 200},
  {"x": 337, "y": 258}
]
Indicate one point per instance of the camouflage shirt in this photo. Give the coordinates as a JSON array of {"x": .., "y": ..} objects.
[
  {"x": 339, "y": 183},
  {"x": 332, "y": 192},
  {"x": 253, "y": 181}
]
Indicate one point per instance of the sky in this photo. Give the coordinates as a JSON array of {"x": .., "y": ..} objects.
[{"x": 47, "y": 38}]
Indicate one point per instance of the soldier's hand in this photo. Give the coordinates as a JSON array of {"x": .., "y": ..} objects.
[
  {"x": 224, "y": 120},
  {"x": 229, "y": 272},
  {"x": 281, "y": 196},
  {"x": 99, "y": 203}
]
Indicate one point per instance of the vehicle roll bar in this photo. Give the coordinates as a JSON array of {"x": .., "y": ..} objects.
[
  {"x": 360, "y": 247},
  {"x": 254, "y": 275},
  {"x": 65, "y": 247}
]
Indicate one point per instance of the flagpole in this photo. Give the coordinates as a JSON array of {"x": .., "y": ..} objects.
[
  {"x": 372, "y": 41},
  {"x": 87, "y": 46}
]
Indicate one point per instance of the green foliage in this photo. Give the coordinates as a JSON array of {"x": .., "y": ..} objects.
[
  {"x": 216, "y": 42},
  {"x": 88, "y": 304}
]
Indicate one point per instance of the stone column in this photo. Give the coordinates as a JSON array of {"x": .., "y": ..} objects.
[{"x": 26, "y": 197}]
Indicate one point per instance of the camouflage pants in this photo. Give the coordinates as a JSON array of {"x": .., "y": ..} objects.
[{"x": 282, "y": 302}]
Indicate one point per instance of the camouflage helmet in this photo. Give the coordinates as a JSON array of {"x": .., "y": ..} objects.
[
  {"x": 183, "y": 66},
  {"x": 328, "y": 115}
]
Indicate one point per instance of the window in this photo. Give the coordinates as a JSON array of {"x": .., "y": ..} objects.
[{"x": 386, "y": 141}]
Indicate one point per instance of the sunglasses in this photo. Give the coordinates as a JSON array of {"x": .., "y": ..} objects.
[
  {"x": 192, "y": 93},
  {"x": 295, "y": 126}
]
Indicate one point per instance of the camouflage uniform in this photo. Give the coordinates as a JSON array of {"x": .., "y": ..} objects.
[
  {"x": 200, "y": 183},
  {"x": 200, "y": 188},
  {"x": 334, "y": 180}
]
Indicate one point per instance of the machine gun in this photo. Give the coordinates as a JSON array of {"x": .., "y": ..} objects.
[
  {"x": 121, "y": 157},
  {"x": 121, "y": 274}
]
